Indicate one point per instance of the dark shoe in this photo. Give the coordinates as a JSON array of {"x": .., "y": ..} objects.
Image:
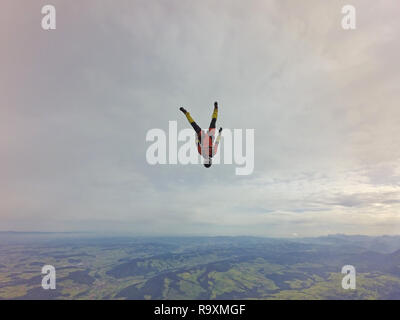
[
  {"x": 215, "y": 104},
  {"x": 183, "y": 110},
  {"x": 220, "y": 129}
]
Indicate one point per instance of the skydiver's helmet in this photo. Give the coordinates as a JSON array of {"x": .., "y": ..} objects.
[{"x": 207, "y": 162}]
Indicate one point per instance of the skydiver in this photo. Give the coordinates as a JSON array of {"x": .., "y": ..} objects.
[{"x": 205, "y": 140}]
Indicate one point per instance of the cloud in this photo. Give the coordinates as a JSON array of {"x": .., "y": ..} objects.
[{"x": 77, "y": 103}]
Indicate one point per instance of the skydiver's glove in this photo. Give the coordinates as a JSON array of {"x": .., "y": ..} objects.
[{"x": 183, "y": 109}]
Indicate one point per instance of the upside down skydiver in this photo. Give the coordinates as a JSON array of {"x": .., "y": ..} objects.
[{"x": 205, "y": 140}]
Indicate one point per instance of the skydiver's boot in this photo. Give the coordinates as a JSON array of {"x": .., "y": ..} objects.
[{"x": 215, "y": 113}]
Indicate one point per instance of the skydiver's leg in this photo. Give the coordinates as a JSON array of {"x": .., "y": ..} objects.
[
  {"x": 191, "y": 121},
  {"x": 214, "y": 118}
]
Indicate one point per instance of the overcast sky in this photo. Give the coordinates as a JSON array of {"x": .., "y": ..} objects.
[{"x": 76, "y": 104}]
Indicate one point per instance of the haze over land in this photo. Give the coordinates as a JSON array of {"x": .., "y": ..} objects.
[{"x": 89, "y": 267}]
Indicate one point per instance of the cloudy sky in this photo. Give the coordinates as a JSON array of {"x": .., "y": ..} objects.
[{"x": 76, "y": 104}]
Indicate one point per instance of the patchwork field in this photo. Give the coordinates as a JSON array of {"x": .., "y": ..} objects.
[{"x": 198, "y": 268}]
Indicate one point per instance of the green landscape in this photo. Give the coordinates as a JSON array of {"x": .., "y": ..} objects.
[{"x": 91, "y": 267}]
